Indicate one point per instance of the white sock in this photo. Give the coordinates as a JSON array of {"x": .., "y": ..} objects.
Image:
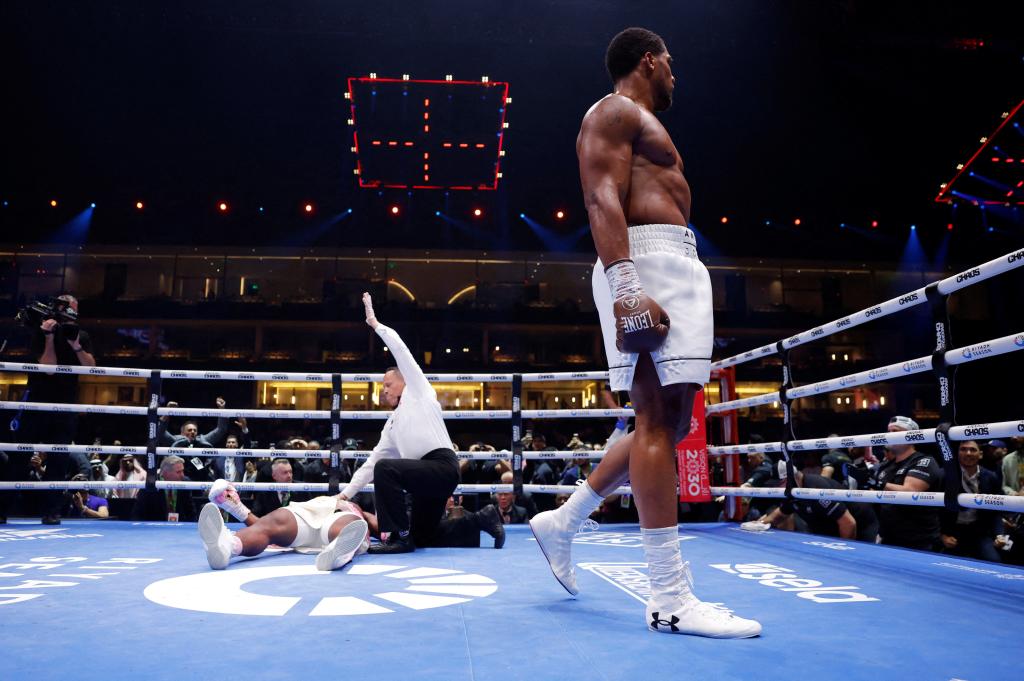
[
  {"x": 665, "y": 567},
  {"x": 581, "y": 503},
  {"x": 236, "y": 545}
]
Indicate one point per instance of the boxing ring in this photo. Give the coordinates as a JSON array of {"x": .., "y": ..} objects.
[
  {"x": 121, "y": 600},
  {"x": 116, "y": 598}
]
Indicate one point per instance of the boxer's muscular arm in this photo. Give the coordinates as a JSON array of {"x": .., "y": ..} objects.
[{"x": 605, "y": 151}]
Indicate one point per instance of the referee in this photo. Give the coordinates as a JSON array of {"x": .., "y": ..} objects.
[{"x": 414, "y": 455}]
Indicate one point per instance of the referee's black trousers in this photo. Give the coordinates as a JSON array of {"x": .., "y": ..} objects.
[{"x": 429, "y": 481}]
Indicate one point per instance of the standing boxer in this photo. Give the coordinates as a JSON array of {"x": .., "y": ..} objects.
[{"x": 654, "y": 299}]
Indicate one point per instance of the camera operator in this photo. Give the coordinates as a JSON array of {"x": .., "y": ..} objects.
[
  {"x": 57, "y": 340},
  {"x": 81, "y": 503}
]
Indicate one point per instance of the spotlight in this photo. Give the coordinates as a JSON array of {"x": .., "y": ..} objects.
[
  {"x": 53, "y": 203},
  {"x": 437, "y": 213},
  {"x": 477, "y": 212},
  {"x": 522, "y": 216},
  {"x": 949, "y": 227},
  {"x": 991, "y": 229},
  {"x": 913, "y": 228},
  {"x": 394, "y": 210},
  {"x": 92, "y": 205},
  {"x": 349, "y": 211},
  {"x": 797, "y": 222},
  {"x": 223, "y": 207},
  {"x": 261, "y": 209},
  {"x": 139, "y": 205},
  {"x": 559, "y": 215},
  {"x": 308, "y": 208},
  {"x": 874, "y": 224},
  {"x": 725, "y": 220}
]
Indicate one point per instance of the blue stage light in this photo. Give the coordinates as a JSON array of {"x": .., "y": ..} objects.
[
  {"x": 437, "y": 213},
  {"x": 522, "y": 216},
  {"x": 261, "y": 209},
  {"x": 842, "y": 225},
  {"x": 92, "y": 205},
  {"x": 913, "y": 228},
  {"x": 991, "y": 229},
  {"x": 349, "y": 211}
]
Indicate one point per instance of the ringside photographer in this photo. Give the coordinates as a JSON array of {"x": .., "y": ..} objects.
[{"x": 57, "y": 339}]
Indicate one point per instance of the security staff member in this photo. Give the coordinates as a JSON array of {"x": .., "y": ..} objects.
[
  {"x": 905, "y": 469},
  {"x": 414, "y": 454},
  {"x": 825, "y": 516},
  {"x": 762, "y": 474}
]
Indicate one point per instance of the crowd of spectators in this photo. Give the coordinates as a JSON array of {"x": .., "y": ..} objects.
[
  {"x": 985, "y": 468},
  {"x": 993, "y": 467}
]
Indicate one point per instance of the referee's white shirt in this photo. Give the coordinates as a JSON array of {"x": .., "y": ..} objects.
[{"x": 415, "y": 427}]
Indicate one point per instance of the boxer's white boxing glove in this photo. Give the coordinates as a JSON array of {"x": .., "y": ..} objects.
[
  {"x": 755, "y": 526},
  {"x": 640, "y": 323}
]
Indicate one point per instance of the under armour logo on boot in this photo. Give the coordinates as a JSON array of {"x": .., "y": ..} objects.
[{"x": 657, "y": 623}]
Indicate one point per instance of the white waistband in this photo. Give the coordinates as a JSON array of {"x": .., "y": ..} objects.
[{"x": 644, "y": 239}]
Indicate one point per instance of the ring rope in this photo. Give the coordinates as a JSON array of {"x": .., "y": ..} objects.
[
  {"x": 464, "y": 414},
  {"x": 946, "y": 286},
  {"x": 932, "y": 499},
  {"x": 987, "y": 430},
  {"x": 989, "y": 501},
  {"x": 305, "y": 377},
  {"x": 970, "y": 353},
  {"x": 249, "y": 453}
]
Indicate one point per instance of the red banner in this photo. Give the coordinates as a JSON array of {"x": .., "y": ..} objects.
[{"x": 692, "y": 458}]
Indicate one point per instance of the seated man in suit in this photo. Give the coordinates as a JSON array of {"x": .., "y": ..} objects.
[
  {"x": 166, "y": 504},
  {"x": 280, "y": 470},
  {"x": 972, "y": 532}
]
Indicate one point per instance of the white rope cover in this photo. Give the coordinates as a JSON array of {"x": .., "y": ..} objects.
[
  {"x": 971, "y": 353},
  {"x": 996, "y": 502},
  {"x": 956, "y": 433},
  {"x": 934, "y": 499},
  {"x": 950, "y": 284},
  {"x": 294, "y": 376},
  {"x": 281, "y": 453},
  {"x": 464, "y": 415}
]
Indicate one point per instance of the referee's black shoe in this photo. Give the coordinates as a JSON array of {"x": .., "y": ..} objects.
[{"x": 396, "y": 543}]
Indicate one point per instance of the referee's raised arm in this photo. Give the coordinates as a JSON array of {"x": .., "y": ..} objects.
[{"x": 413, "y": 376}]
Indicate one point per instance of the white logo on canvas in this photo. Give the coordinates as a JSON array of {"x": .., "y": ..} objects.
[{"x": 221, "y": 591}]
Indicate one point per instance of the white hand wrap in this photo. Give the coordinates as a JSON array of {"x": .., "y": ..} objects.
[
  {"x": 235, "y": 508},
  {"x": 623, "y": 280}
]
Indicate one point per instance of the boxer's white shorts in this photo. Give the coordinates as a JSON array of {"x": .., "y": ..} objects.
[
  {"x": 666, "y": 261},
  {"x": 312, "y": 516}
]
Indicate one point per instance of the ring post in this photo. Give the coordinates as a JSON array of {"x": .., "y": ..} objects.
[
  {"x": 517, "y": 433},
  {"x": 938, "y": 303},
  {"x": 155, "y": 385},
  {"x": 334, "y": 473},
  {"x": 787, "y": 417}
]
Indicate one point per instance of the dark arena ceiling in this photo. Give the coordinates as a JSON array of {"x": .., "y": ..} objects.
[{"x": 836, "y": 114}]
